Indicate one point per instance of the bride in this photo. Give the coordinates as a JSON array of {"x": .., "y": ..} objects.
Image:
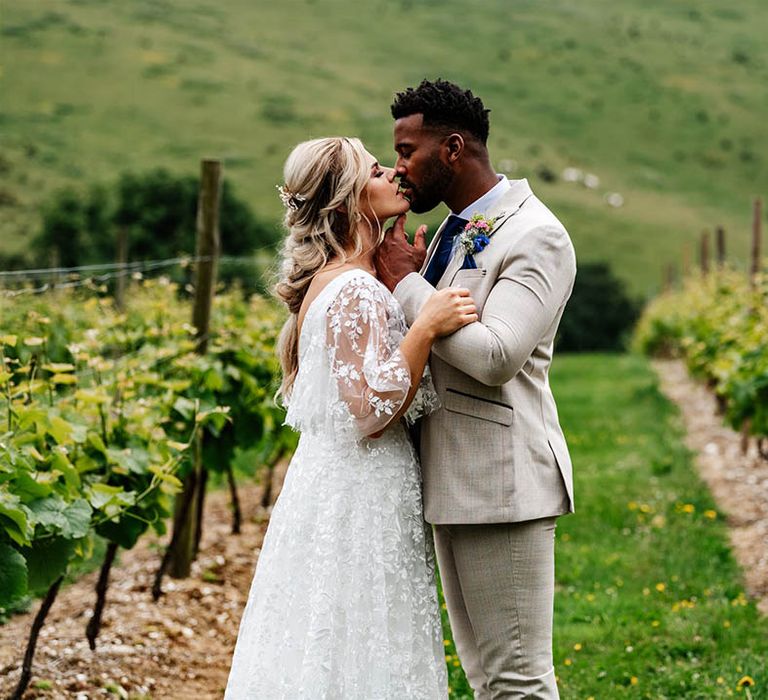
[{"x": 343, "y": 604}]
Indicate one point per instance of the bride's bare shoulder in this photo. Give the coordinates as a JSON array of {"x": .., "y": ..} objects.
[{"x": 320, "y": 281}]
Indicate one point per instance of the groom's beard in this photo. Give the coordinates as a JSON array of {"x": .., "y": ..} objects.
[{"x": 425, "y": 197}]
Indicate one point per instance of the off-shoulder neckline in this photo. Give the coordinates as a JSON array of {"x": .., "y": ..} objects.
[{"x": 321, "y": 293}]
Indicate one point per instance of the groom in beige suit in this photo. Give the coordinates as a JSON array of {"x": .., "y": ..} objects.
[{"x": 495, "y": 463}]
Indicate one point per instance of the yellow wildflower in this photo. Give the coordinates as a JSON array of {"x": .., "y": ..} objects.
[
  {"x": 711, "y": 514},
  {"x": 633, "y": 680},
  {"x": 745, "y": 681},
  {"x": 661, "y": 587}
]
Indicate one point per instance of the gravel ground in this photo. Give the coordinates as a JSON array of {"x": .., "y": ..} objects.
[
  {"x": 179, "y": 647},
  {"x": 738, "y": 482}
]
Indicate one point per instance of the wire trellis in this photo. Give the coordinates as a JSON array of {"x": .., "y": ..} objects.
[{"x": 115, "y": 271}]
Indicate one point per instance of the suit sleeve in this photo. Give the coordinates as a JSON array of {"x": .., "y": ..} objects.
[{"x": 535, "y": 281}]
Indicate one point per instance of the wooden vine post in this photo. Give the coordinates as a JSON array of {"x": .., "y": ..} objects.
[
  {"x": 720, "y": 247},
  {"x": 754, "y": 270},
  {"x": 122, "y": 271},
  {"x": 704, "y": 257},
  {"x": 668, "y": 278},
  {"x": 756, "y": 254},
  {"x": 189, "y": 503}
]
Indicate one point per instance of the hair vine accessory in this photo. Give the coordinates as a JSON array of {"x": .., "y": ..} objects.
[{"x": 290, "y": 199}]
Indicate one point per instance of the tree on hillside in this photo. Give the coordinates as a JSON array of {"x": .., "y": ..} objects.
[{"x": 67, "y": 218}]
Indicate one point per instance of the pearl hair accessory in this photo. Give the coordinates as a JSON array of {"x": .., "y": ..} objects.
[{"x": 290, "y": 199}]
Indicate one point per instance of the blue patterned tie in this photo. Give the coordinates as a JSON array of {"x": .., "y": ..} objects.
[{"x": 442, "y": 256}]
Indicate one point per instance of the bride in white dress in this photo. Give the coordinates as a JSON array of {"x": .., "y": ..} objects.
[{"x": 343, "y": 604}]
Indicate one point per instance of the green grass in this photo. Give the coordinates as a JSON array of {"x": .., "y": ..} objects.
[
  {"x": 663, "y": 101},
  {"x": 649, "y": 600}
]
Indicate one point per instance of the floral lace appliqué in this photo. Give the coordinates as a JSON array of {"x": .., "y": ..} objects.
[{"x": 343, "y": 602}]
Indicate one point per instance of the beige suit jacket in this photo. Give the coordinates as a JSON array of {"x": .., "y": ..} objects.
[{"x": 495, "y": 451}]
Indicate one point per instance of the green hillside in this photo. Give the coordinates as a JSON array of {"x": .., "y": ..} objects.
[{"x": 664, "y": 102}]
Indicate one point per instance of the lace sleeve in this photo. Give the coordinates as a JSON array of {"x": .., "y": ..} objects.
[
  {"x": 425, "y": 401},
  {"x": 370, "y": 372}
]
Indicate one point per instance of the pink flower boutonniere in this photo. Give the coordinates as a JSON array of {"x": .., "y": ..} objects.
[{"x": 475, "y": 237}]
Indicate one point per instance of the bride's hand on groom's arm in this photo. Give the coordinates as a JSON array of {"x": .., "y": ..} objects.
[
  {"x": 396, "y": 257},
  {"x": 445, "y": 312}
]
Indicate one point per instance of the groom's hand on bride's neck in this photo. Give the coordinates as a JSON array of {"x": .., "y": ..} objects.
[{"x": 396, "y": 257}]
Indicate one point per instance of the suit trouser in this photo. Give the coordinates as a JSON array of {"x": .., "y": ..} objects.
[{"x": 498, "y": 581}]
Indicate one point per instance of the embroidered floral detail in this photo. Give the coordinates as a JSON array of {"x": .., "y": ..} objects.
[
  {"x": 346, "y": 573},
  {"x": 366, "y": 376}
]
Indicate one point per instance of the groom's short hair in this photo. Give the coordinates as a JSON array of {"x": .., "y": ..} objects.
[{"x": 444, "y": 105}]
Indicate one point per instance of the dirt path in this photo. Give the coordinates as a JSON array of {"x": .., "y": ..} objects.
[
  {"x": 177, "y": 648},
  {"x": 738, "y": 482}
]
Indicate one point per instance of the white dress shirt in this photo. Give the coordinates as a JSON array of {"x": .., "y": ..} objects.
[{"x": 484, "y": 203}]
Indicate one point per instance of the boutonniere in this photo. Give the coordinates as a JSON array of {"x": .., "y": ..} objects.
[{"x": 475, "y": 237}]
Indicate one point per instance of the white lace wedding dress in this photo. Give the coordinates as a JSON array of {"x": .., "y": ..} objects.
[{"x": 343, "y": 604}]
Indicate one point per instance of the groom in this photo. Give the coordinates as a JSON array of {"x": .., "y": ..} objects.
[{"x": 495, "y": 463}]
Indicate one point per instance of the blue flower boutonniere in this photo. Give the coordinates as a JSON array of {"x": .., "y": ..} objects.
[{"x": 475, "y": 237}]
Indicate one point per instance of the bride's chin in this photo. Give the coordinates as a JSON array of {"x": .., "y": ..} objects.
[{"x": 396, "y": 211}]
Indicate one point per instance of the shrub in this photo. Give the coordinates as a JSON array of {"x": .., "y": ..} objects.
[{"x": 599, "y": 314}]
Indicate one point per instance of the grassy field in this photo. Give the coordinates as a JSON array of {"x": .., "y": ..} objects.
[
  {"x": 649, "y": 601},
  {"x": 661, "y": 101}
]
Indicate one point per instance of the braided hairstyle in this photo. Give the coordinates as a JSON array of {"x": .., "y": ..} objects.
[{"x": 324, "y": 181}]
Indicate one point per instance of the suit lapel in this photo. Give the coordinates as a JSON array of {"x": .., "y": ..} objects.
[
  {"x": 507, "y": 206},
  {"x": 504, "y": 209}
]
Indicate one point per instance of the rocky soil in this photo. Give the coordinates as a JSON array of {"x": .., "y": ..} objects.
[
  {"x": 178, "y": 648},
  {"x": 739, "y": 482}
]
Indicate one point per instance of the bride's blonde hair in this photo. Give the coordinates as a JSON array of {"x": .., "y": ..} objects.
[{"x": 324, "y": 182}]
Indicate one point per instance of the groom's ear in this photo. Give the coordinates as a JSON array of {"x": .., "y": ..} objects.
[{"x": 454, "y": 147}]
